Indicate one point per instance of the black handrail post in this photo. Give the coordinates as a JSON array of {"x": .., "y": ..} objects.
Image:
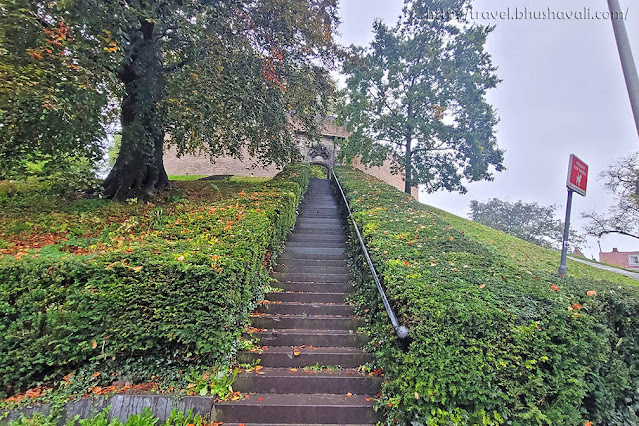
[{"x": 401, "y": 331}]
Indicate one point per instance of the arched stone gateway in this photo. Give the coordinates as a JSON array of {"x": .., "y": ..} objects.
[{"x": 322, "y": 153}]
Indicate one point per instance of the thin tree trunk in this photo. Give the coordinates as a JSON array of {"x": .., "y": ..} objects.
[
  {"x": 139, "y": 169},
  {"x": 407, "y": 171},
  {"x": 408, "y": 158}
]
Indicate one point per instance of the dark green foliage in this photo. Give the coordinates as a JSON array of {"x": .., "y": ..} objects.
[
  {"x": 495, "y": 339},
  {"x": 417, "y": 95},
  {"x": 53, "y": 99},
  {"x": 528, "y": 221},
  {"x": 229, "y": 77},
  {"x": 177, "y": 302}
]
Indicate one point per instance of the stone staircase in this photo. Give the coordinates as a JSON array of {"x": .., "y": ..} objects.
[{"x": 304, "y": 327}]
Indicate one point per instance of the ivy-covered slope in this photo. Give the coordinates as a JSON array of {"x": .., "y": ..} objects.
[
  {"x": 497, "y": 336},
  {"x": 177, "y": 299}
]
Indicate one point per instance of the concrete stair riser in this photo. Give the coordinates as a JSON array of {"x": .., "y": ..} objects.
[
  {"x": 288, "y": 360},
  {"x": 318, "y": 253},
  {"x": 305, "y": 309},
  {"x": 311, "y": 337},
  {"x": 313, "y": 237},
  {"x": 282, "y": 380},
  {"x": 313, "y": 257},
  {"x": 291, "y": 409},
  {"x": 315, "y": 322},
  {"x": 310, "y": 277},
  {"x": 308, "y": 261},
  {"x": 314, "y": 287},
  {"x": 303, "y": 268},
  {"x": 315, "y": 244},
  {"x": 307, "y": 297}
]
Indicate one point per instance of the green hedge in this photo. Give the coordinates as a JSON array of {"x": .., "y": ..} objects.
[
  {"x": 496, "y": 338},
  {"x": 178, "y": 301}
]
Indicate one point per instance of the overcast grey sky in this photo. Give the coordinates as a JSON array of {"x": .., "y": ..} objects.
[{"x": 563, "y": 92}]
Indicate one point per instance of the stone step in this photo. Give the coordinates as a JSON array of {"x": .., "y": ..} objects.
[
  {"x": 312, "y": 322},
  {"x": 288, "y": 337},
  {"x": 288, "y": 256},
  {"x": 320, "y": 229},
  {"x": 293, "y": 308},
  {"x": 315, "y": 237},
  {"x": 298, "y": 409},
  {"x": 310, "y": 261},
  {"x": 284, "y": 357},
  {"x": 317, "y": 221},
  {"x": 329, "y": 253},
  {"x": 301, "y": 267},
  {"x": 320, "y": 212},
  {"x": 306, "y": 381},
  {"x": 306, "y": 297},
  {"x": 311, "y": 277},
  {"x": 321, "y": 205},
  {"x": 292, "y": 286},
  {"x": 315, "y": 244}
]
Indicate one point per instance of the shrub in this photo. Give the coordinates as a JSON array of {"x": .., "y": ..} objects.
[
  {"x": 495, "y": 337},
  {"x": 179, "y": 300}
]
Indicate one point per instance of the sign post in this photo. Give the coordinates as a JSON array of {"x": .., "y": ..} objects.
[{"x": 577, "y": 181}]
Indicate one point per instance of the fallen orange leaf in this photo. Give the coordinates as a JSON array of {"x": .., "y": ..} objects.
[
  {"x": 293, "y": 370},
  {"x": 482, "y": 286},
  {"x": 592, "y": 292},
  {"x": 554, "y": 287},
  {"x": 96, "y": 374},
  {"x": 94, "y": 344}
]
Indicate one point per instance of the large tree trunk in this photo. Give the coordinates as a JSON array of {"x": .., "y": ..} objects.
[
  {"x": 408, "y": 175},
  {"x": 139, "y": 169}
]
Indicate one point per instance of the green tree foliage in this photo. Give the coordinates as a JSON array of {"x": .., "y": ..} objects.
[
  {"x": 419, "y": 91},
  {"x": 528, "y": 221},
  {"x": 53, "y": 99},
  {"x": 218, "y": 75},
  {"x": 622, "y": 180}
]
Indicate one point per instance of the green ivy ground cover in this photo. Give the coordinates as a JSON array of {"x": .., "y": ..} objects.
[
  {"x": 497, "y": 336},
  {"x": 147, "y": 308}
]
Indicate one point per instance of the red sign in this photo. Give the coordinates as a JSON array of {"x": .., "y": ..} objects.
[{"x": 577, "y": 175}]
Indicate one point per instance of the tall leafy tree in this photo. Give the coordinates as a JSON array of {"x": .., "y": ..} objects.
[
  {"x": 529, "y": 221},
  {"x": 53, "y": 101},
  {"x": 217, "y": 75},
  {"x": 622, "y": 180},
  {"x": 418, "y": 93}
]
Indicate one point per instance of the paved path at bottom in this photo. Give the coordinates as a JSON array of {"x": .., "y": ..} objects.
[{"x": 633, "y": 275}]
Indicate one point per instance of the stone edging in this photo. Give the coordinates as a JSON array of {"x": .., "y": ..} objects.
[{"x": 123, "y": 406}]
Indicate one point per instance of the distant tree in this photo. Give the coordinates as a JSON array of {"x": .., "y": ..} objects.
[
  {"x": 218, "y": 75},
  {"x": 528, "y": 221},
  {"x": 418, "y": 92},
  {"x": 622, "y": 180}
]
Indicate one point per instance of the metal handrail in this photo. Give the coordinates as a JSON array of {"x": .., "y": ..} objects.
[{"x": 400, "y": 330}]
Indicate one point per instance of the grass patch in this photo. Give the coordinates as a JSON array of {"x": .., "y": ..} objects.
[
  {"x": 152, "y": 294},
  {"x": 496, "y": 336},
  {"x": 185, "y": 178}
]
